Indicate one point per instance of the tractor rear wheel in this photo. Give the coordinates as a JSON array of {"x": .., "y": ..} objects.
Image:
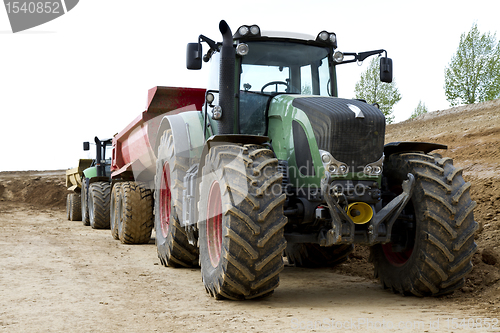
[
  {"x": 75, "y": 209},
  {"x": 98, "y": 203},
  {"x": 241, "y": 222},
  {"x": 115, "y": 210},
  {"x": 172, "y": 242},
  {"x": 313, "y": 255},
  {"x": 433, "y": 239},
  {"x": 85, "y": 208},
  {"x": 135, "y": 213}
]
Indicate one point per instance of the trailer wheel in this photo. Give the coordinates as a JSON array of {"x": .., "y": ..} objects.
[
  {"x": 75, "y": 209},
  {"x": 241, "y": 230},
  {"x": 85, "y": 208},
  {"x": 172, "y": 242},
  {"x": 98, "y": 196},
  {"x": 313, "y": 255},
  {"x": 68, "y": 204},
  {"x": 433, "y": 240},
  {"x": 135, "y": 213},
  {"x": 115, "y": 210}
]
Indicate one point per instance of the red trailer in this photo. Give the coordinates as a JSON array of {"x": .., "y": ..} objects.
[
  {"x": 133, "y": 163},
  {"x": 134, "y": 157}
]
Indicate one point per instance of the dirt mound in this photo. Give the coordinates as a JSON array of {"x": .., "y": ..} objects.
[
  {"x": 472, "y": 134},
  {"x": 38, "y": 188}
]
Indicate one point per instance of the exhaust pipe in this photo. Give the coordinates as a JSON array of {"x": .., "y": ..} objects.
[{"x": 226, "y": 80}]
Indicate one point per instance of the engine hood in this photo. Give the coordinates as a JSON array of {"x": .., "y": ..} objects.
[{"x": 351, "y": 130}]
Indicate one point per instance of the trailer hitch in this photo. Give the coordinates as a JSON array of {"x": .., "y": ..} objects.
[{"x": 380, "y": 226}]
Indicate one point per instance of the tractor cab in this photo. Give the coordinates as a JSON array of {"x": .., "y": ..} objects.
[
  {"x": 101, "y": 165},
  {"x": 261, "y": 65}
]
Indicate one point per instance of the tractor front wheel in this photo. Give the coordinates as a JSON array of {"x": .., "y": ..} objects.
[
  {"x": 98, "y": 203},
  {"x": 241, "y": 222},
  {"x": 432, "y": 241}
]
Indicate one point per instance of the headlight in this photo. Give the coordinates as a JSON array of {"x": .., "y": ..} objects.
[
  {"x": 326, "y": 157},
  {"x": 333, "y": 166},
  {"x": 247, "y": 31},
  {"x": 343, "y": 169},
  {"x": 327, "y": 37},
  {"x": 254, "y": 30},
  {"x": 242, "y": 49},
  {"x": 374, "y": 169},
  {"x": 338, "y": 56},
  {"x": 323, "y": 36},
  {"x": 243, "y": 30}
]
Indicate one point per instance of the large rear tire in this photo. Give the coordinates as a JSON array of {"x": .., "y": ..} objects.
[
  {"x": 433, "y": 240},
  {"x": 135, "y": 209},
  {"x": 85, "y": 208},
  {"x": 172, "y": 242},
  {"x": 241, "y": 230},
  {"x": 98, "y": 203},
  {"x": 313, "y": 255}
]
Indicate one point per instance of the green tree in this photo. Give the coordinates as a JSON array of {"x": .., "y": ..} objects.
[
  {"x": 419, "y": 110},
  {"x": 473, "y": 75},
  {"x": 372, "y": 90}
]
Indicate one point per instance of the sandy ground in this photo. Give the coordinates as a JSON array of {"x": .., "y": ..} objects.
[{"x": 57, "y": 275}]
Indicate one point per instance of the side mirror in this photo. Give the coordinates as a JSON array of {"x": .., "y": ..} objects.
[
  {"x": 86, "y": 146},
  {"x": 193, "y": 56},
  {"x": 386, "y": 70}
]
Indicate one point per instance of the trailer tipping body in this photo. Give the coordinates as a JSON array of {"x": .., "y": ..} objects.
[{"x": 133, "y": 154}]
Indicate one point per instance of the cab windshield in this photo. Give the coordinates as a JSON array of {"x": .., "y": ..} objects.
[
  {"x": 299, "y": 68},
  {"x": 274, "y": 67}
]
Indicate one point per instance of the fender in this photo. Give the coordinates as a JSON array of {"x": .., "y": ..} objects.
[
  {"x": 406, "y": 147},
  {"x": 187, "y": 129}
]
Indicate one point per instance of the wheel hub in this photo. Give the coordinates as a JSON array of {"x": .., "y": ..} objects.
[
  {"x": 214, "y": 224},
  {"x": 165, "y": 200}
]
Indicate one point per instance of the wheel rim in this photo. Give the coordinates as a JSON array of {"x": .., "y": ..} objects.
[
  {"x": 214, "y": 224},
  {"x": 396, "y": 258},
  {"x": 400, "y": 258},
  {"x": 165, "y": 200}
]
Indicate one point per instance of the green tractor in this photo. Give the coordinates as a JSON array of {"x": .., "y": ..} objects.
[
  {"x": 277, "y": 165},
  {"x": 96, "y": 187}
]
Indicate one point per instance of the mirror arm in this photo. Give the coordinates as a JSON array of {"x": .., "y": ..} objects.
[
  {"x": 363, "y": 55},
  {"x": 213, "y": 47}
]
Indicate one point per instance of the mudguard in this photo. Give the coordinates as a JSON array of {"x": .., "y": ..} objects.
[
  {"x": 405, "y": 147},
  {"x": 187, "y": 129}
]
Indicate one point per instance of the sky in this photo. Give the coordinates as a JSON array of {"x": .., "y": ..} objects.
[{"x": 87, "y": 72}]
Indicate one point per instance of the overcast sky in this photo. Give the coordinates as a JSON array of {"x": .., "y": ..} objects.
[{"x": 87, "y": 73}]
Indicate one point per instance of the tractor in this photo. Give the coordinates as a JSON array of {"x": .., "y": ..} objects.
[
  {"x": 96, "y": 187},
  {"x": 275, "y": 165}
]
